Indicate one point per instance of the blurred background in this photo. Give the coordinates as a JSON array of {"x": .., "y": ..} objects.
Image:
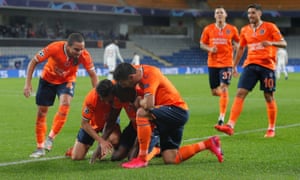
[{"x": 165, "y": 33}]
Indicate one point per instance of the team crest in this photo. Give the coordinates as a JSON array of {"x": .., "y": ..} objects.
[
  {"x": 228, "y": 31},
  {"x": 145, "y": 86},
  {"x": 262, "y": 31}
]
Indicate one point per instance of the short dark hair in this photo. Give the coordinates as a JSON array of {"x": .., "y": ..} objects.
[
  {"x": 75, "y": 37},
  {"x": 219, "y": 7},
  {"x": 104, "y": 88},
  {"x": 123, "y": 70},
  {"x": 255, "y": 6},
  {"x": 124, "y": 94}
]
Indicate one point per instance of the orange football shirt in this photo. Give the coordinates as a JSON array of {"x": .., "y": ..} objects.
[
  {"x": 95, "y": 110},
  {"x": 258, "y": 54},
  {"x": 222, "y": 38},
  {"x": 155, "y": 83},
  {"x": 59, "y": 67}
]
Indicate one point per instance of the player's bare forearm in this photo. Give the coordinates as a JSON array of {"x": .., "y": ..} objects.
[
  {"x": 88, "y": 128},
  {"x": 111, "y": 122},
  {"x": 94, "y": 77},
  {"x": 28, "y": 87},
  {"x": 238, "y": 56},
  {"x": 279, "y": 44},
  {"x": 147, "y": 102},
  {"x": 205, "y": 47}
]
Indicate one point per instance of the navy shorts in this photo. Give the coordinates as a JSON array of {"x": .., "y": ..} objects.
[
  {"x": 84, "y": 137},
  {"x": 218, "y": 76},
  {"x": 128, "y": 136},
  {"x": 47, "y": 92},
  {"x": 170, "y": 121},
  {"x": 254, "y": 73}
]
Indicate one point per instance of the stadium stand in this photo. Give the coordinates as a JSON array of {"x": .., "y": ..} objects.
[
  {"x": 162, "y": 45},
  {"x": 105, "y": 2},
  {"x": 160, "y": 4},
  {"x": 267, "y": 5},
  {"x": 177, "y": 51}
]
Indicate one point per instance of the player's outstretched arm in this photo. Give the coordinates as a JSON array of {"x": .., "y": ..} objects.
[{"x": 28, "y": 86}]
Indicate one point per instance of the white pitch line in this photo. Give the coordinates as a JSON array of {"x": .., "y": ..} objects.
[
  {"x": 244, "y": 132},
  {"x": 187, "y": 140},
  {"x": 30, "y": 160}
]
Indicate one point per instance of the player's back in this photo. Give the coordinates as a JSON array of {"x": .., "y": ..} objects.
[
  {"x": 95, "y": 110},
  {"x": 165, "y": 93}
]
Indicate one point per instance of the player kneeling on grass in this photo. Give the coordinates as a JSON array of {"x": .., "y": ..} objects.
[
  {"x": 161, "y": 104},
  {"x": 97, "y": 107}
]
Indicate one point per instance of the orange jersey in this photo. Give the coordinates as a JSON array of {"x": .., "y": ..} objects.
[
  {"x": 222, "y": 39},
  {"x": 95, "y": 110},
  {"x": 155, "y": 83},
  {"x": 59, "y": 67},
  {"x": 258, "y": 54},
  {"x": 129, "y": 108}
]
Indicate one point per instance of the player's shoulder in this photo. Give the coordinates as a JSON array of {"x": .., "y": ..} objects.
[
  {"x": 270, "y": 25},
  {"x": 246, "y": 28},
  {"x": 57, "y": 44},
  {"x": 85, "y": 54},
  {"x": 210, "y": 26},
  {"x": 231, "y": 26},
  {"x": 267, "y": 23},
  {"x": 92, "y": 96},
  {"x": 148, "y": 67}
]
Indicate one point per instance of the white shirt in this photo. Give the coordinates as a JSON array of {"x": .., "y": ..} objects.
[
  {"x": 282, "y": 56},
  {"x": 136, "y": 60},
  {"x": 111, "y": 52}
]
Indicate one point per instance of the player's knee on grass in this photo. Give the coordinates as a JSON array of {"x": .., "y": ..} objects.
[
  {"x": 79, "y": 151},
  {"x": 169, "y": 156}
]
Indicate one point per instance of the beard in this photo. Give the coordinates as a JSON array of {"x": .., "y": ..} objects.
[{"x": 75, "y": 61}]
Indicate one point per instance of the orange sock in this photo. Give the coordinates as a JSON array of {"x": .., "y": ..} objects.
[
  {"x": 59, "y": 120},
  {"x": 188, "y": 151},
  {"x": 272, "y": 113},
  {"x": 224, "y": 99},
  {"x": 236, "y": 110},
  {"x": 40, "y": 130},
  {"x": 144, "y": 131},
  {"x": 155, "y": 151}
]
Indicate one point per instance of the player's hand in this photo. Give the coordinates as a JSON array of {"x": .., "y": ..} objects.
[
  {"x": 137, "y": 102},
  {"x": 96, "y": 155},
  {"x": 266, "y": 43},
  {"x": 214, "y": 49},
  {"x": 235, "y": 72},
  {"x": 106, "y": 147},
  {"x": 103, "y": 148},
  {"x": 27, "y": 90}
]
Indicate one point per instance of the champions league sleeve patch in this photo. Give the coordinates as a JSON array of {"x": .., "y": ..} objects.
[
  {"x": 41, "y": 53},
  {"x": 86, "y": 110}
]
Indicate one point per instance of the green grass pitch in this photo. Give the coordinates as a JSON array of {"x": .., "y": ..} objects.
[{"x": 248, "y": 155}]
